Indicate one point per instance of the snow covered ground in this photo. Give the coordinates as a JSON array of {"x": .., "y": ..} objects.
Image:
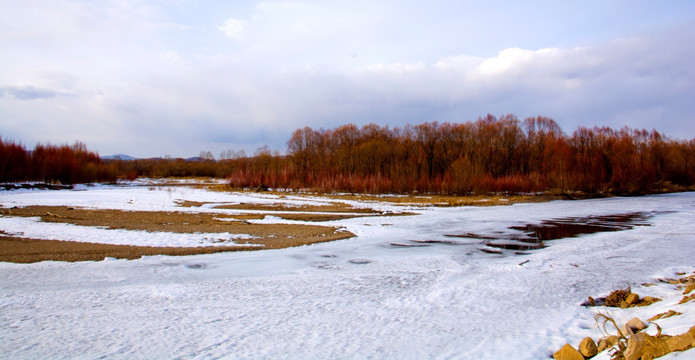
[{"x": 357, "y": 298}]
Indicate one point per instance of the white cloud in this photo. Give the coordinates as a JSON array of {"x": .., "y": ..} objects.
[
  {"x": 215, "y": 106},
  {"x": 505, "y": 61},
  {"x": 458, "y": 63},
  {"x": 395, "y": 68},
  {"x": 173, "y": 57},
  {"x": 233, "y": 28},
  {"x": 149, "y": 76}
]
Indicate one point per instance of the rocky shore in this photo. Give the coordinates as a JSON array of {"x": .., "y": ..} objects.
[{"x": 671, "y": 328}]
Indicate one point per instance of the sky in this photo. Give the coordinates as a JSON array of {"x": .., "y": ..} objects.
[{"x": 153, "y": 78}]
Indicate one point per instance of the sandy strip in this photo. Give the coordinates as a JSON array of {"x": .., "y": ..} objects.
[
  {"x": 176, "y": 222},
  {"x": 21, "y": 250},
  {"x": 271, "y": 236}
]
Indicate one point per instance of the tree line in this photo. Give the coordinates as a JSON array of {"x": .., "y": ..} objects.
[
  {"x": 490, "y": 154},
  {"x": 53, "y": 164}
]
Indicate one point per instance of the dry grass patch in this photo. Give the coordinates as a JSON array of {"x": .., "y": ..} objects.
[
  {"x": 622, "y": 298},
  {"x": 419, "y": 200},
  {"x": 298, "y": 213},
  {"x": 316, "y": 217},
  {"x": 405, "y": 200},
  {"x": 443, "y": 200},
  {"x": 414, "y": 200},
  {"x": 332, "y": 208}
]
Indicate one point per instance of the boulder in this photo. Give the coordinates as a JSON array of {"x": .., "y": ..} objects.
[
  {"x": 645, "y": 347},
  {"x": 626, "y": 331},
  {"x": 632, "y": 327},
  {"x": 682, "y": 342},
  {"x": 607, "y": 342},
  {"x": 567, "y": 352},
  {"x": 632, "y": 299},
  {"x": 636, "y": 324},
  {"x": 588, "y": 348}
]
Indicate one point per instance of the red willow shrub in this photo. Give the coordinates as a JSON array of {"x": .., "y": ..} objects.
[
  {"x": 14, "y": 162},
  {"x": 53, "y": 164},
  {"x": 489, "y": 155}
]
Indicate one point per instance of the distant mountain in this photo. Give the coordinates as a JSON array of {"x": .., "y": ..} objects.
[
  {"x": 118, "y": 157},
  {"x": 128, "y": 158}
]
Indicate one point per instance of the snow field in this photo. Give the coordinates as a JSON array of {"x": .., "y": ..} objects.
[{"x": 355, "y": 298}]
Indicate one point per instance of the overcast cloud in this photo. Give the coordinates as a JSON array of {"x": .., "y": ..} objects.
[{"x": 153, "y": 78}]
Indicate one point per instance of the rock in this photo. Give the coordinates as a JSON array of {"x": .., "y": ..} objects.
[
  {"x": 682, "y": 342},
  {"x": 632, "y": 299},
  {"x": 632, "y": 327},
  {"x": 567, "y": 352},
  {"x": 607, "y": 342},
  {"x": 645, "y": 347},
  {"x": 648, "y": 300},
  {"x": 588, "y": 348},
  {"x": 636, "y": 324},
  {"x": 626, "y": 331},
  {"x": 591, "y": 301}
]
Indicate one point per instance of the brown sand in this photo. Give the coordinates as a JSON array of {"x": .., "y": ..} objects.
[
  {"x": 21, "y": 250},
  {"x": 178, "y": 222},
  {"x": 272, "y": 236}
]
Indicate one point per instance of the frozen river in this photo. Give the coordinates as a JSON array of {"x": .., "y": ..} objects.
[{"x": 361, "y": 298}]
